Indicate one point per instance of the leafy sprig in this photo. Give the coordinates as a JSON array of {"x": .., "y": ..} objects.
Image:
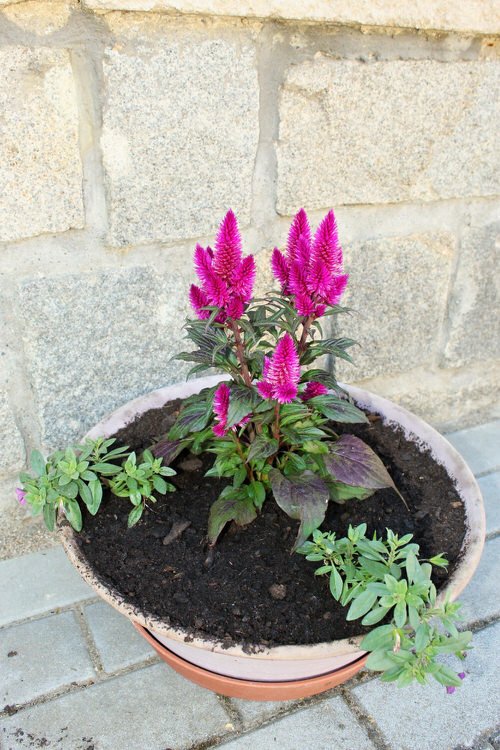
[{"x": 386, "y": 580}]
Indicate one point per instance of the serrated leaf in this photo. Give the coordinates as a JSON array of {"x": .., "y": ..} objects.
[
  {"x": 304, "y": 497},
  {"x": 353, "y": 462}
]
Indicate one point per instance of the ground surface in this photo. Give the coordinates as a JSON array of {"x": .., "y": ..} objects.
[{"x": 74, "y": 675}]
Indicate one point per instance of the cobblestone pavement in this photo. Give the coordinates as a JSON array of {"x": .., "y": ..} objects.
[{"x": 74, "y": 675}]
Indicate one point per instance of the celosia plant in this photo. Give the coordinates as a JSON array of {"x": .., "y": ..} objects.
[{"x": 270, "y": 425}]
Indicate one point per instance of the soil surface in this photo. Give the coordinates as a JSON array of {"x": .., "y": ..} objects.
[{"x": 256, "y": 592}]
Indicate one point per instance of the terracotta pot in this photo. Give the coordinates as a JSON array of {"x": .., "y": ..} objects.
[{"x": 312, "y": 668}]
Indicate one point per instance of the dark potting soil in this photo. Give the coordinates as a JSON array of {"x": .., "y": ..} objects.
[{"x": 254, "y": 591}]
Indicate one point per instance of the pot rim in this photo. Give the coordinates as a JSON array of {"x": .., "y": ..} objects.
[{"x": 391, "y": 413}]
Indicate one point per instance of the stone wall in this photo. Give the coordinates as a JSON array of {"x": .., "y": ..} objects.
[{"x": 129, "y": 127}]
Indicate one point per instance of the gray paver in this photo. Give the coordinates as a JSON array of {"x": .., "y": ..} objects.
[
  {"x": 41, "y": 656},
  {"x": 118, "y": 643},
  {"x": 254, "y": 711},
  {"x": 490, "y": 488},
  {"x": 36, "y": 583},
  {"x": 481, "y": 598},
  {"x": 425, "y": 717},
  {"x": 480, "y": 446},
  {"x": 151, "y": 709},
  {"x": 327, "y": 725}
]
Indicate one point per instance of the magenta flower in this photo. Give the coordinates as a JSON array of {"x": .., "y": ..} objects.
[
  {"x": 221, "y": 409},
  {"x": 311, "y": 273},
  {"x": 450, "y": 689},
  {"x": 312, "y": 389},
  {"x": 226, "y": 278},
  {"x": 21, "y": 496},
  {"x": 281, "y": 373}
]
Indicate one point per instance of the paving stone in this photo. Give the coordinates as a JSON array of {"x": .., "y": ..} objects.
[
  {"x": 41, "y": 656},
  {"x": 41, "y": 171},
  {"x": 128, "y": 326},
  {"x": 118, "y": 643},
  {"x": 490, "y": 488},
  {"x": 180, "y": 131},
  {"x": 402, "y": 281},
  {"x": 474, "y": 312},
  {"x": 329, "y": 724},
  {"x": 480, "y": 446},
  {"x": 12, "y": 450},
  {"x": 383, "y": 132},
  {"x": 37, "y": 583},
  {"x": 425, "y": 717},
  {"x": 151, "y": 709},
  {"x": 254, "y": 711},
  {"x": 481, "y": 598}
]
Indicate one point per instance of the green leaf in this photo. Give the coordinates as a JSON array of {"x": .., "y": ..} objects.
[
  {"x": 96, "y": 490},
  {"x": 336, "y": 584},
  {"x": 73, "y": 513},
  {"x": 337, "y": 409},
  {"x": 379, "y": 638},
  {"x": 233, "y": 504},
  {"x": 400, "y": 614},
  {"x": 262, "y": 447},
  {"x": 241, "y": 402},
  {"x": 303, "y": 497},
  {"x": 106, "y": 470},
  {"x": 354, "y": 463},
  {"x": 49, "y": 515},
  {"x": 379, "y": 661},
  {"x": 192, "y": 418},
  {"x": 134, "y": 515},
  {"x": 257, "y": 492},
  {"x": 340, "y": 492},
  {"x": 85, "y": 493},
  {"x": 361, "y": 604},
  {"x": 447, "y": 676},
  {"x": 375, "y": 615},
  {"x": 159, "y": 484}
]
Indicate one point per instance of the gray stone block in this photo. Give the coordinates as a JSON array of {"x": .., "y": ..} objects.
[
  {"x": 253, "y": 712},
  {"x": 490, "y": 488},
  {"x": 12, "y": 450},
  {"x": 180, "y": 129},
  {"x": 480, "y": 446},
  {"x": 329, "y": 724},
  {"x": 425, "y": 717},
  {"x": 397, "y": 290},
  {"x": 41, "y": 656},
  {"x": 384, "y": 132},
  {"x": 97, "y": 340},
  {"x": 41, "y": 171},
  {"x": 118, "y": 643},
  {"x": 481, "y": 598},
  {"x": 474, "y": 312},
  {"x": 37, "y": 583},
  {"x": 151, "y": 709}
]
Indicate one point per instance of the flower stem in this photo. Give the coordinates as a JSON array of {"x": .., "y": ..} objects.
[
  {"x": 306, "y": 325},
  {"x": 240, "y": 353}
]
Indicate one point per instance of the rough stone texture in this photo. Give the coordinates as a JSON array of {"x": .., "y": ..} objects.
[
  {"x": 478, "y": 15},
  {"x": 118, "y": 643},
  {"x": 152, "y": 708},
  {"x": 40, "y": 167},
  {"x": 37, "y": 583},
  {"x": 329, "y": 724},
  {"x": 12, "y": 450},
  {"x": 253, "y": 712},
  {"x": 474, "y": 311},
  {"x": 37, "y": 17},
  {"x": 401, "y": 283},
  {"x": 384, "y": 132},
  {"x": 41, "y": 656},
  {"x": 180, "y": 132},
  {"x": 425, "y": 717},
  {"x": 480, "y": 446},
  {"x": 490, "y": 488},
  {"x": 447, "y": 399},
  {"x": 97, "y": 340},
  {"x": 481, "y": 598}
]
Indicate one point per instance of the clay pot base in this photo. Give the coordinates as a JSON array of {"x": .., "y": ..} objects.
[{"x": 248, "y": 689}]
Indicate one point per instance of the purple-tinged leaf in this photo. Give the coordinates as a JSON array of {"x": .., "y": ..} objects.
[
  {"x": 337, "y": 409},
  {"x": 352, "y": 462},
  {"x": 168, "y": 449},
  {"x": 303, "y": 497},
  {"x": 233, "y": 504},
  {"x": 192, "y": 418},
  {"x": 242, "y": 399}
]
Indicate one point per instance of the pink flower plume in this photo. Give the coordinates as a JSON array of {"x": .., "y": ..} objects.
[
  {"x": 280, "y": 267},
  {"x": 312, "y": 389},
  {"x": 326, "y": 247},
  {"x": 244, "y": 278},
  {"x": 299, "y": 228},
  {"x": 199, "y": 300},
  {"x": 221, "y": 410},
  {"x": 227, "y": 248},
  {"x": 282, "y": 373}
]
